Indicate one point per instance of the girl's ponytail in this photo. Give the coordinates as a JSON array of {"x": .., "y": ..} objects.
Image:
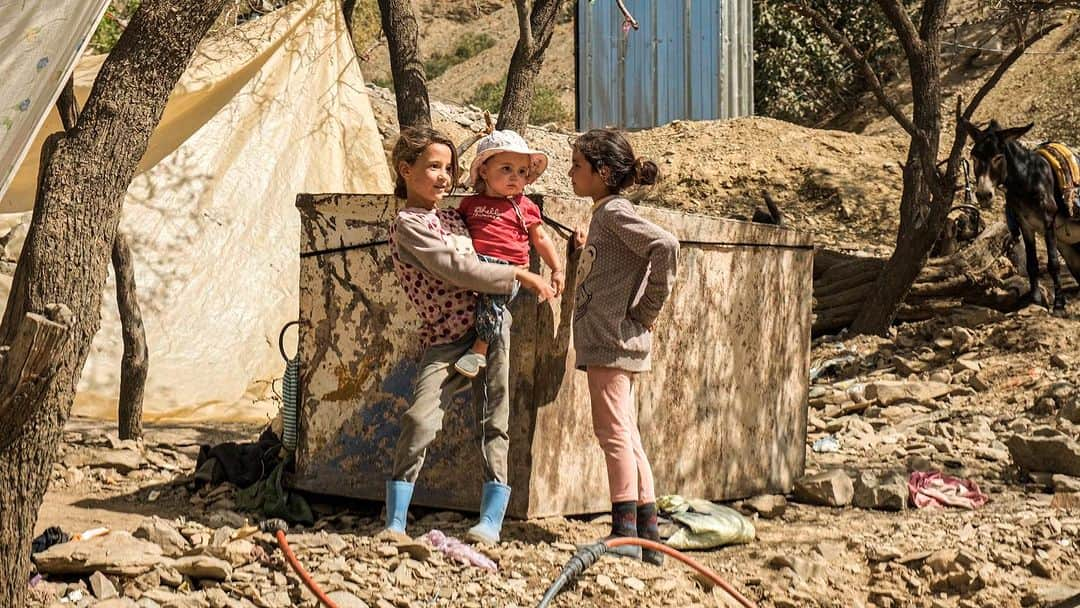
[{"x": 645, "y": 171}]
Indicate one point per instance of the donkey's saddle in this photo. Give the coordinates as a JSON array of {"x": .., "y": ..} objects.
[{"x": 1066, "y": 172}]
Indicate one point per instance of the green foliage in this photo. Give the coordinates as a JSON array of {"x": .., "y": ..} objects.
[
  {"x": 468, "y": 46},
  {"x": 545, "y": 108},
  {"x": 802, "y": 76},
  {"x": 366, "y": 24},
  {"x": 112, "y": 25},
  {"x": 385, "y": 82},
  {"x": 489, "y": 96}
]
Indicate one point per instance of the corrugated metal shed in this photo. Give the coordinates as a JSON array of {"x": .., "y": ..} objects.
[{"x": 691, "y": 59}]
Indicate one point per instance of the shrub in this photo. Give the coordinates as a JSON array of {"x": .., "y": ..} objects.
[
  {"x": 112, "y": 25},
  {"x": 802, "y": 76},
  {"x": 468, "y": 46},
  {"x": 546, "y": 106}
]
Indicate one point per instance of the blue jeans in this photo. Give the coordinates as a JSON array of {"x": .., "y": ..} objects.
[{"x": 491, "y": 308}]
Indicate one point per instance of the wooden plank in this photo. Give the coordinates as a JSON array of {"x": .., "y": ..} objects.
[{"x": 26, "y": 364}]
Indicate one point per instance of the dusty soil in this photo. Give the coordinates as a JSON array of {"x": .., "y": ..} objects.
[
  {"x": 1017, "y": 550},
  {"x": 1012, "y": 373}
]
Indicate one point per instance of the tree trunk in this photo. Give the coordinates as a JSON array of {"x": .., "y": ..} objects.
[
  {"x": 66, "y": 255},
  {"x": 534, "y": 36},
  {"x": 925, "y": 202},
  {"x": 410, "y": 81},
  {"x": 348, "y": 8},
  {"x": 133, "y": 368}
]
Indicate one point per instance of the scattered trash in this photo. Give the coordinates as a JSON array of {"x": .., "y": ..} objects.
[
  {"x": 933, "y": 489},
  {"x": 153, "y": 495},
  {"x": 91, "y": 533},
  {"x": 270, "y": 497},
  {"x": 241, "y": 464},
  {"x": 830, "y": 365},
  {"x": 826, "y": 444},
  {"x": 51, "y": 536},
  {"x": 704, "y": 524},
  {"x": 672, "y": 503},
  {"x": 458, "y": 550}
]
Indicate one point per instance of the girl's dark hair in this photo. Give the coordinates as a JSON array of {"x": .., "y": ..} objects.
[
  {"x": 410, "y": 145},
  {"x": 609, "y": 148}
]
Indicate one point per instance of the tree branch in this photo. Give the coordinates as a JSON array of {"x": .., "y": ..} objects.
[
  {"x": 67, "y": 106},
  {"x": 626, "y": 14},
  {"x": 960, "y": 136},
  {"x": 524, "y": 23},
  {"x": 933, "y": 15},
  {"x": 905, "y": 28},
  {"x": 348, "y": 9},
  {"x": 853, "y": 54},
  {"x": 26, "y": 366},
  {"x": 1003, "y": 67}
]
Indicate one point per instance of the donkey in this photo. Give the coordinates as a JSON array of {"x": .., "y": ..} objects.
[{"x": 1033, "y": 201}]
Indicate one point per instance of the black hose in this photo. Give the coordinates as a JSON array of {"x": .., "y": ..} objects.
[{"x": 585, "y": 557}]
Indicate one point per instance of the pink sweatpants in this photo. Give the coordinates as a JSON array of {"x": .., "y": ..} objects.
[{"x": 629, "y": 474}]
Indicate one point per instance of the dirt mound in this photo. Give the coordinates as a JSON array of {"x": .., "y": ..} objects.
[{"x": 842, "y": 187}]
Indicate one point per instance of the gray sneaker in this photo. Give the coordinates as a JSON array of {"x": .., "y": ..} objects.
[{"x": 470, "y": 364}]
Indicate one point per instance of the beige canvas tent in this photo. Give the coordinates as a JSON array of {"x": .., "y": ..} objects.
[{"x": 271, "y": 108}]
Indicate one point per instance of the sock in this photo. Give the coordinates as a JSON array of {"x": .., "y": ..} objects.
[
  {"x": 647, "y": 529},
  {"x": 646, "y": 522},
  {"x": 624, "y": 518}
]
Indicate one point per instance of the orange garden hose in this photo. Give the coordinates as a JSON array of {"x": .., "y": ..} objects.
[
  {"x": 686, "y": 559},
  {"x": 584, "y": 558},
  {"x": 304, "y": 576}
]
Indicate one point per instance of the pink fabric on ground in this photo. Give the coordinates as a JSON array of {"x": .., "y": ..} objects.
[
  {"x": 933, "y": 489},
  {"x": 458, "y": 550}
]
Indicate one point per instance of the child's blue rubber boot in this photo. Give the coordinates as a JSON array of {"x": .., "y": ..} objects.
[
  {"x": 493, "y": 503},
  {"x": 398, "y": 495}
]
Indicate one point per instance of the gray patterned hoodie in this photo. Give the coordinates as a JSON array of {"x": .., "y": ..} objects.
[{"x": 625, "y": 274}]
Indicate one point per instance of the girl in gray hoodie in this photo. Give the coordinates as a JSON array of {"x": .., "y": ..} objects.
[{"x": 626, "y": 272}]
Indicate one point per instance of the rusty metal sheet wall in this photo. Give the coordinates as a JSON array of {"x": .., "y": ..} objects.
[
  {"x": 723, "y": 413},
  {"x": 691, "y": 59}
]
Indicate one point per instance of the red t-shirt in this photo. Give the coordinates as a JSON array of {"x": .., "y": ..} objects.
[{"x": 497, "y": 230}]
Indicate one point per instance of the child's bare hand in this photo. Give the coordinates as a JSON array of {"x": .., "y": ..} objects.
[
  {"x": 536, "y": 284},
  {"x": 558, "y": 281},
  {"x": 580, "y": 236}
]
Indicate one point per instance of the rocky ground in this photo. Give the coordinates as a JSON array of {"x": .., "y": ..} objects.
[{"x": 981, "y": 395}]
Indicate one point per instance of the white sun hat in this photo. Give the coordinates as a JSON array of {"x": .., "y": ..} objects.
[{"x": 506, "y": 141}]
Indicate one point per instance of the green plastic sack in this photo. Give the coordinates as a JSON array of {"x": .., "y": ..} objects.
[
  {"x": 672, "y": 503},
  {"x": 270, "y": 498},
  {"x": 704, "y": 524}
]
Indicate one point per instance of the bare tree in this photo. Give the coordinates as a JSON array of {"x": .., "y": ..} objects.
[
  {"x": 929, "y": 185},
  {"x": 63, "y": 265},
  {"x": 134, "y": 365},
  {"x": 536, "y": 23},
  {"x": 410, "y": 81},
  {"x": 348, "y": 8}
]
